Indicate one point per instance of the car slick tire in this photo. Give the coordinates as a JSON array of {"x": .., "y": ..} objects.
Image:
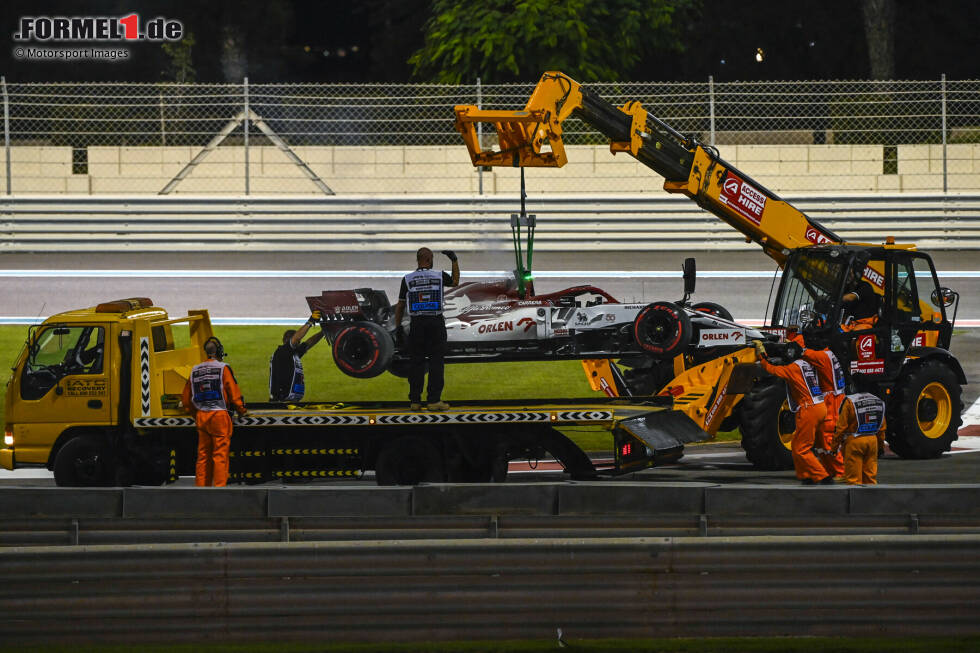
[
  {"x": 767, "y": 426},
  {"x": 924, "y": 415},
  {"x": 662, "y": 330},
  {"x": 717, "y": 310},
  {"x": 363, "y": 350}
]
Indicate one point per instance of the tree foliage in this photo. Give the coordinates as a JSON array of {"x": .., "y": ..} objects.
[{"x": 507, "y": 40}]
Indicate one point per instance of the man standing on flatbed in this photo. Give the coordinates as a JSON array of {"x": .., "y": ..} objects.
[{"x": 422, "y": 291}]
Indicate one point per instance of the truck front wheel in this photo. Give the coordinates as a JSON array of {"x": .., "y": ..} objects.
[
  {"x": 82, "y": 462},
  {"x": 924, "y": 415},
  {"x": 767, "y": 426}
]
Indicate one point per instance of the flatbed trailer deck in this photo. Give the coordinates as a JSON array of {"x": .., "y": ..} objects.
[{"x": 472, "y": 441}]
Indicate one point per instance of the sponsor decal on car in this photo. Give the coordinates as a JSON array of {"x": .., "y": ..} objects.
[
  {"x": 715, "y": 337},
  {"x": 526, "y": 322},
  {"x": 494, "y": 327},
  {"x": 742, "y": 198},
  {"x": 477, "y": 308}
]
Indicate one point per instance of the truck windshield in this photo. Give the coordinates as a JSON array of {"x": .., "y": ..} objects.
[
  {"x": 811, "y": 282},
  {"x": 60, "y": 351},
  {"x": 77, "y": 349}
]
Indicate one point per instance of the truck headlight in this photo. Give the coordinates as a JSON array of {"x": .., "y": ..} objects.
[{"x": 8, "y": 439}]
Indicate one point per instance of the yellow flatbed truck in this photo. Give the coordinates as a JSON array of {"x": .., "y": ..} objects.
[{"x": 94, "y": 396}]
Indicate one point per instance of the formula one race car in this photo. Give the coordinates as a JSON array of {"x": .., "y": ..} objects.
[{"x": 488, "y": 321}]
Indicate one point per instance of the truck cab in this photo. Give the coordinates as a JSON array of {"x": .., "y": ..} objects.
[
  {"x": 894, "y": 344},
  {"x": 70, "y": 396},
  {"x": 909, "y": 307}
]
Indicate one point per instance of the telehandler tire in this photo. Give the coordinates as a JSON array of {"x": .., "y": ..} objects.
[
  {"x": 363, "y": 350},
  {"x": 924, "y": 415},
  {"x": 662, "y": 330},
  {"x": 767, "y": 425}
]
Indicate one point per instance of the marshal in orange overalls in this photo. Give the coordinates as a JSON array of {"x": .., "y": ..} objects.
[
  {"x": 861, "y": 429},
  {"x": 832, "y": 383},
  {"x": 806, "y": 400},
  {"x": 209, "y": 395}
]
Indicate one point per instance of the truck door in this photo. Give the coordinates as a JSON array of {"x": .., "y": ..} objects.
[{"x": 65, "y": 377}]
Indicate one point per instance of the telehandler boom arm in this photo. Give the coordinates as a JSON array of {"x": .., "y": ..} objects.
[{"x": 533, "y": 138}]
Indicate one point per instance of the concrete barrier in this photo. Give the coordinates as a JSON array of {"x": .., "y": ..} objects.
[
  {"x": 561, "y": 509},
  {"x": 386, "y": 170},
  {"x": 611, "y": 223},
  {"x": 486, "y": 589}
]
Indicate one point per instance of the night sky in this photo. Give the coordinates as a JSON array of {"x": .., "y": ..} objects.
[{"x": 370, "y": 41}]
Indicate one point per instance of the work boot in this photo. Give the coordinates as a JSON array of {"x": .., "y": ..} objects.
[
  {"x": 438, "y": 405},
  {"x": 415, "y": 406}
]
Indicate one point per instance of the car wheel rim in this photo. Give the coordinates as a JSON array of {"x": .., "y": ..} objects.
[
  {"x": 934, "y": 410},
  {"x": 357, "y": 351},
  {"x": 659, "y": 331}
]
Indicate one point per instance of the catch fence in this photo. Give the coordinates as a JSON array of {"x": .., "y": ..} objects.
[{"x": 256, "y": 139}]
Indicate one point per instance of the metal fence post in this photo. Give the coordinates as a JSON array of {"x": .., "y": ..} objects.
[
  {"x": 245, "y": 127},
  {"x": 711, "y": 107},
  {"x": 943, "y": 92},
  {"x": 6, "y": 128},
  {"x": 479, "y": 131},
  {"x": 163, "y": 128}
]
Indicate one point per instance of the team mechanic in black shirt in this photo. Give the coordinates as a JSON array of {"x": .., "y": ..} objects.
[
  {"x": 422, "y": 291},
  {"x": 286, "y": 381}
]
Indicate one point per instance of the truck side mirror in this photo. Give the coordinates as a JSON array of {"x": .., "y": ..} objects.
[
  {"x": 690, "y": 276},
  {"x": 943, "y": 296}
]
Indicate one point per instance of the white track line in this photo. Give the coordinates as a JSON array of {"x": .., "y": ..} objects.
[
  {"x": 971, "y": 415},
  {"x": 397, "y": 274}
]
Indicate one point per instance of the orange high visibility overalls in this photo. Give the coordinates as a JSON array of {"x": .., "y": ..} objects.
[
  {"x": 832, "y": 382},
  {"x": 806, "y": 400},
  {"x": 207, "y": 395},
  {"x": 862, "y": 416}
]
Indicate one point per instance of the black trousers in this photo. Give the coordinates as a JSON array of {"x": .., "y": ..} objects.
[{"x": 426, "y": 344}]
